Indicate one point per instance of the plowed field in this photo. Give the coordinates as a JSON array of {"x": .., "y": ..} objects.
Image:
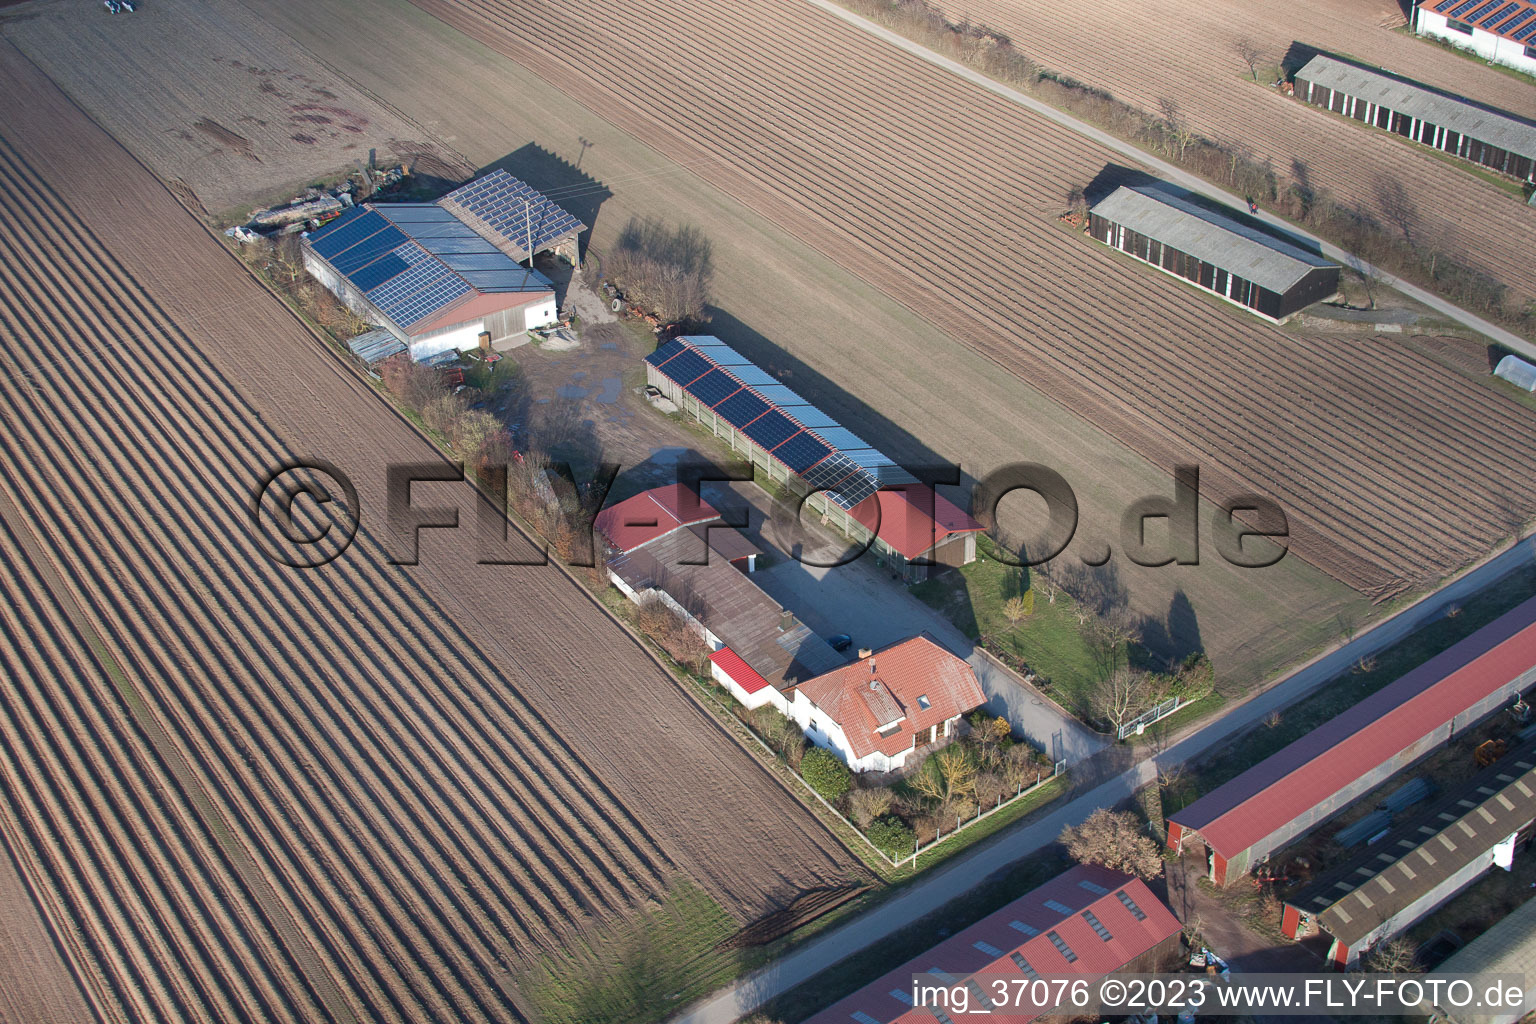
[
  {"x": 260, "y": 794},
  {"x": 207, "y": 95},
  {"x": 1188, "y": 56},
  {"x": 1393, "y": 468}
]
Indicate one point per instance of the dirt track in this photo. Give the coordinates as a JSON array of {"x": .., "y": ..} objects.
[
  {"x": 1191, "y": 59},
  {"x": 945, "y": 197},
  {"x": 362, "y": 792}
]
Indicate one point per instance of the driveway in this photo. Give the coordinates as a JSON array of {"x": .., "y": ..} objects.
[{"x": 862, "y": 600}]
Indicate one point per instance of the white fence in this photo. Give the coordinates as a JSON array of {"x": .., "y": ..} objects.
[{"x": 1135, "y": 726}]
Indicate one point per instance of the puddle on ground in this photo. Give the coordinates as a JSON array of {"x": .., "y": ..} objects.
[
  {"x": 570, "y": 391},
  {"x": 610, "y": 392},
  {"x": 609, "y": 345}
]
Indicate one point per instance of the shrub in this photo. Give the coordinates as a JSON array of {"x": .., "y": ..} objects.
[
  {"x": 665, "y": 270},
  {"x": 892, "y": 836},
  {"x": 865, "y": 805},
  {"x": 826, "y": 774},
  {"x": 1115, "y": 840}
]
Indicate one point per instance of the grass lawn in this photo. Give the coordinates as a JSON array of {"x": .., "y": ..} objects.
[
  {"x": 1349, "y": 689},
  {"x": 1050, "y": 642}
]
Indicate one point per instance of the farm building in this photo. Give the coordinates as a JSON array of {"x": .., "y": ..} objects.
[
  {"x": 862, "y": 492},
  {"x": 1509, "y": 947},
  {"x": 1216, "y": 250},
  {"x": 1242, "y": 822},
  {"x": 1395, "y": 882},
  {"x": 438, "y": 276},
  {"x": 669, "y": 544},
  {"x": 1503, "y": 31},
  {"x": 878, "y": 711},
  {"x": 1486, "y": 137},
  {"x": 1518, "y": 372},
  {"x": 1088, "y": 921}
]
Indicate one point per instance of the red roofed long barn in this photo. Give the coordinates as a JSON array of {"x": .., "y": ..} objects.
[
  {"x": 1087, "y": 921},
  {"x": 891, "y": 703},
  {"x": 1244, "y": 821}
]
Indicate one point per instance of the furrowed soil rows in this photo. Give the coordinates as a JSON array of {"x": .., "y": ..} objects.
[
  {"x": 944, "y": 196},
  {"x": 206, "y": 94},
  {"x": 363, "y": 792},
  {"x": 1190, "y": 57}
]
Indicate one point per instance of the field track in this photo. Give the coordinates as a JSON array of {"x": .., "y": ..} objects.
[
  {"x": 260, "y": 794},
  {"x": 1190, "y": 58},
  {"x": 945, "y": 197}
]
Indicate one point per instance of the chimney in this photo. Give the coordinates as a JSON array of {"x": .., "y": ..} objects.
[
  {"x": 786, "y": 620},
  {"x": 865, "y": 652}
]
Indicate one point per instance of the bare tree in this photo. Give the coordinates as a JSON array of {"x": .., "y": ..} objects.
[
  {"x": 1115, "y": 840},
  {"x": 1180, "y": 134},
  {"x": 667, "y": 270},
  {"x": 1122, "y": 695},
  {"x": 1249, "y": 53},
  {"x": 1394, "y": 956},
  {"x": 948, "y": 776}
]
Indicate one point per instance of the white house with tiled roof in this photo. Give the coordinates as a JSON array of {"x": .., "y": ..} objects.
[{"x": 878, "y": 711}]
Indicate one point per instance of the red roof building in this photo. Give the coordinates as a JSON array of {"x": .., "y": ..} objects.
[
  {"x": 1087, "y": 921},
  {"x": 1302, "y": 785},
  {"x": 877, "y": 711},
  {"x": 651, "y": 515},
  {"x": 915, "y": 522}
]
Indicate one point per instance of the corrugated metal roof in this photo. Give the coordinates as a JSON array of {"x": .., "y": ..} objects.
[
  {"x": 1169, "y": 215},
  {"x": 1358, "y": 895},
  {"x": 745, "y": 675},
  {"x": 1493, "y": 127},
  {"x": 913, "y": 518},
  {"x": 970, "y": 952},
  {"x": 1312, "y": 770},
  {"x": 376, "y": 346},
  {"x": 652, "y": 514}
]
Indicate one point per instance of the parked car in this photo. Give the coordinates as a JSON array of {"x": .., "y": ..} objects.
[{"x": 841, "y": 642}]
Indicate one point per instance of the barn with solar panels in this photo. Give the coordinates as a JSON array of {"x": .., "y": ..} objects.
[
  {"x": 442, "y": 276},
  {"x": 1486, "y": 137},
  {"x": 1497, "y": 30},
  {"x": 859, "y": 490}
]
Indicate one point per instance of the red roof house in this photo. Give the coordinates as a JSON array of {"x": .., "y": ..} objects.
[
  {"x": 1087, "y": 921},
  {"x": 914, "y": 522},
  {"x": 876, "y": 711},
  {"x": 1300, "y": 786},
  {"x": 651, "y": 515}
]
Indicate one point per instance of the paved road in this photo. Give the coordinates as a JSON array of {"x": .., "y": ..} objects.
[
  {"x": 1509, "y": 340},
  {"x": 861, "y": 600},
  {"x": 970, "y": 869}
]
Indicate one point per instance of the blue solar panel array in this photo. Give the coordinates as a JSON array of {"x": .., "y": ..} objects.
[
  {"x": 517, "y": 211},
  {"x": 777, "y": 420},
  {"x": 801, "y": 452},
  {"x": 714, "y": 387},
  {"x": 1484, "y": 9},
  {"x": 1517, "y": 20},
  {"x": 379, "y": 271},
  {"x": 772, "y": 430},
  {"x": 345, "y": 231},
  {"x": 1519, "y": 36},
  {"x": 1500, "y": 15},
  {"x": 426, "y": 287},
  {"x": 741, "y": 408}
]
